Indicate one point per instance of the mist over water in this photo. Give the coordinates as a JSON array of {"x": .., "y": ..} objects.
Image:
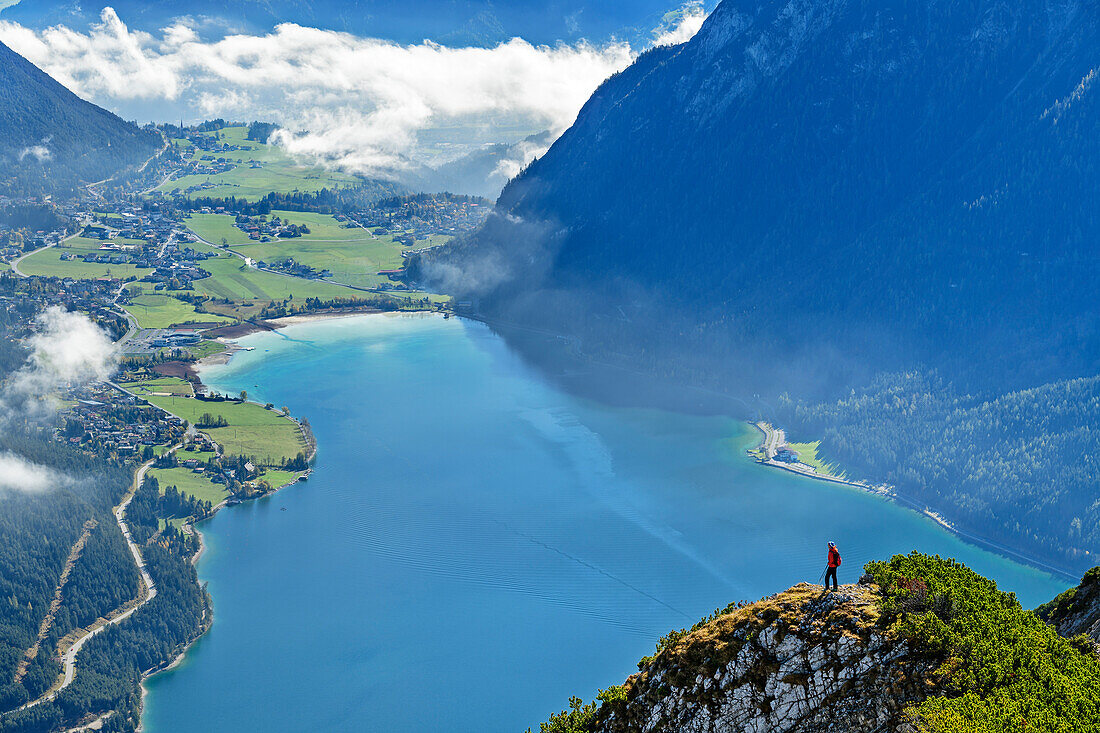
[{"x": 476, "y": 545}]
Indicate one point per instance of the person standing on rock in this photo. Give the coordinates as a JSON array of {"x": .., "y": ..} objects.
[{"x": 834, "y": 563}]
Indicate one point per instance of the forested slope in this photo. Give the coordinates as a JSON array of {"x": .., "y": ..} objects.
[
  {"x": 37, "y": 532},
  {"x": 51, "y": 140},
  {"x": 1020, "y": 465},
  {"x": 807, "y": 195}
]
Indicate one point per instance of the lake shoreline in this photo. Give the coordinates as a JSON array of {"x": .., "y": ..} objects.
[
  {"x": 547, "y": 418},
  {"x": 207, "y": 621},
  {"x": 890, "y": 493},
  {"x": 884, "y": 491}
]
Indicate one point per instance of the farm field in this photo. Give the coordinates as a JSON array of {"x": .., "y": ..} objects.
[
  {"x": 279, "y": 172},
  {"x": 48, "y": 262},
  {"x": 278, "y": 479},
  {"x": 170, "y": 385},
  {"x": 353, "y": 255},
  {"x": 253, "y": 431},
  {"x": 231, "y": 278},
  {"x": 155, "y": 310},
  {"x": 189, "y": 482}
]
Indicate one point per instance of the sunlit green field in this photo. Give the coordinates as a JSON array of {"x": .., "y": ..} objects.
[
  {"x": 280, "y": 172},
  {"x": 231, "y": 278},
  {"x": 189, "y": 482},
  {"x": 171, "y": 385},
  {"x": 353, "y": 255},
  {"x": 215, "y": 228},
  {"x": 278, "y": 479},
  {"x": 48, "y": 263},
  {"x": 253, "y": 430},
  {"x": 154, "y": 310}
]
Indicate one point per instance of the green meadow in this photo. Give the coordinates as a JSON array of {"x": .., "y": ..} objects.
[
  {"x": 48, "y": 262},
  {"x": 169, "y": 385},
  {"x": 155, "y": 310},
  {"x": 279, "y": 172},
  {"x": 353, "y": 255},
  {"x": 807, "y": 453},
  {"x": 189, "y": 482},
  {"x": 231, "y": 278},
  {"x": 253, "y": 430},
  {"x": 278, "y": 479}
]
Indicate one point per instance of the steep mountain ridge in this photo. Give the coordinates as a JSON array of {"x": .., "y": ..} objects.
[
  {"x": 878, "y": 179},
  {"x": 800, "y": 660},
  {"x": 1077, "y": 611},
  {"x": 51, "y": 140},
  {"x": 920, "y": 644}
]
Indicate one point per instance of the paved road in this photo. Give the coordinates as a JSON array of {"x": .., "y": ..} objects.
[
  {"x": 17, "y": 260},
  {"x": 772, "y": 439}
]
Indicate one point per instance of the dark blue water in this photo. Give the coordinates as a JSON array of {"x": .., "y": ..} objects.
[{"x": 476, "y": 546}]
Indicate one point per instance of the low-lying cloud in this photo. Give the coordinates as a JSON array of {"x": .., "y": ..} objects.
[
  {"x": 40, "y": 153},
  {"x": 19, "y": 474},
  {"x": 359, "y": 103},
  {"x": 67, "y": 349}
]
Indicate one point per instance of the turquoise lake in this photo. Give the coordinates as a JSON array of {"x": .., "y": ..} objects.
[{"x": 475, "y": 545}]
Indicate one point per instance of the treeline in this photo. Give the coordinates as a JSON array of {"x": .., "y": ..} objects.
[
  {"x": 32, "y": 217},
  {"x": 326, "y": 201},
  {"x": 261, "y": 132},
  {"x": 1022, "y": 468},
  {"x": 211, "y": 421},
  {"x": 424, "y": 201},
  {"x": 151, "y": 504},
  {"x": 313, "y": 305}
]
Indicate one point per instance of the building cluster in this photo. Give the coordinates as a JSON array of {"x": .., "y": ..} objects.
[
  {"x": 265, "y": 228},
  {"x": 94, "y": 297},
  {"x": 423, "y": 216},
  {"x": 110, "y": 422}
]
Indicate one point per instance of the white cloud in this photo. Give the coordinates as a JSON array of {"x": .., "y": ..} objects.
[
  {"x": 359, "y": 103},
  {"x": 68, "y": 348},
  {"x": 681, "y": 25},
  {"x": 41, "y": 152},
  {"x": 18, "y": 474}
]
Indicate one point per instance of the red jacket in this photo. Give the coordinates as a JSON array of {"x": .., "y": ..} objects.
[{"x": 834, "y": 558}]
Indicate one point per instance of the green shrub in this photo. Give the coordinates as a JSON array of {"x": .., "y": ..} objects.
[{"x": 1002, "y": 668}]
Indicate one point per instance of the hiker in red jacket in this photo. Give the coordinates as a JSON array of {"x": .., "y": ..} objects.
[{"x": 834, "y": 563}]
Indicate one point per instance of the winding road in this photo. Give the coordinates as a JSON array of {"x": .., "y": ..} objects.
[{"x": 148, "y": 593}]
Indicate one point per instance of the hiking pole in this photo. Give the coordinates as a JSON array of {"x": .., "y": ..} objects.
[{"x": 822, "y": 576}]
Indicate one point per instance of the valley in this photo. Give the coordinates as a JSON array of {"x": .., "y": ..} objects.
[{"x": 793, "y": 275}]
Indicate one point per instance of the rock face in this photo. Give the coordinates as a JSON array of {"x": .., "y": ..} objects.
[
  {"x": 803, "y": 660},
  {"x": 1077, "y": 611}
]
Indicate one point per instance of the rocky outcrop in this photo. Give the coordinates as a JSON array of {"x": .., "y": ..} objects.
[
  {"x": 803, "y": 660},
  {"x": 1077, "y": 611}
]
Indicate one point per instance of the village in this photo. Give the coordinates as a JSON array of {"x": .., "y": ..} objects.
[{"x": 139, "y": 264}]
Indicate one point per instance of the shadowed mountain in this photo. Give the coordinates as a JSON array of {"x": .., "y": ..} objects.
[
  {"x": 835, "y": 186},
  {"x": 51, "y": 140}
]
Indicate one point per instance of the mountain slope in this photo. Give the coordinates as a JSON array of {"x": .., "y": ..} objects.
[
  {"x": 883, "y": 180},
  {"x": 51, "y": 140}
]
